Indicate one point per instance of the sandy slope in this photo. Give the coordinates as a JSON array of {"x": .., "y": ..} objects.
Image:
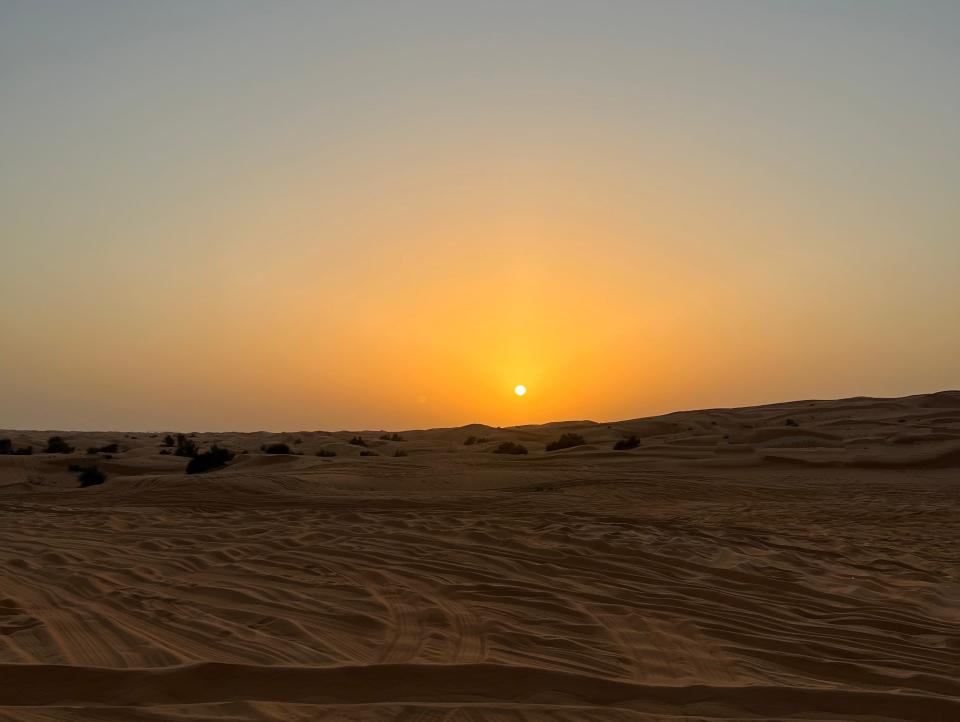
[{"x": 731, "y": 567}]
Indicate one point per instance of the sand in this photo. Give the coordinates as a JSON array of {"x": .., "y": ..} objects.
[{"x": 732, "y": 567}]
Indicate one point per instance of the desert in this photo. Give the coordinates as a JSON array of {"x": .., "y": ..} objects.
[
  {"x": 479, "y": 361},
  {"x": 788, "y": 561}
]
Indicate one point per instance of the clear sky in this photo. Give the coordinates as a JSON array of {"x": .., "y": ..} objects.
[{"x": 319, "y": 215}]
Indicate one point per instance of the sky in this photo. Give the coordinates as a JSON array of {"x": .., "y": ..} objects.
[{"x": 231, "y": 215}]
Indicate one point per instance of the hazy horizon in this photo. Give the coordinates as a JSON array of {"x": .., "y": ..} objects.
[
  {"x": 244, "y": 216},
  {"x": 376, "y": 428}
]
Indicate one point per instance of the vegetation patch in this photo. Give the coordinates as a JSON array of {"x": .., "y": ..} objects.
[
  {"x": 626, "y": 444},
  {"x": 509, "y": 447},
  {"x": 58, "y": 445},
  {"x": 185, "y": 447},
  {"x": 566, "y": 441},
  {"x": 215, "y": 458},
  {"x": 91, "y": 476}
]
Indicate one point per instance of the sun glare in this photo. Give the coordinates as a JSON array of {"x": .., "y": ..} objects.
[{"x": 519, "y": 389}]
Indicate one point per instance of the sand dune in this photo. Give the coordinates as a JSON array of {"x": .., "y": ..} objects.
[{"x": 732, "y": 566}]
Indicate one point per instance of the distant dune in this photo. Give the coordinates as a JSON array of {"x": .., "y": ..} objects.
[{"x": 788, "y": 561}]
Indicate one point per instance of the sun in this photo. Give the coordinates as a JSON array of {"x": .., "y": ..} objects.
[{"x": 519, "y": 389}]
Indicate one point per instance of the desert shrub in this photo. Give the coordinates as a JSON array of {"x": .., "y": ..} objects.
[
  {"x": 91, "y": 476},
  {"x": 7, "y": 448},
  {"x": 165, "y": 452},
  {"x": 75, "y": 467},
  {"x": 367, "y": 452},
  {"x": 209, "y": 460},
  {"x": 399, "y": 452},
  {"x": 391, "y": 437},
  {"x": 792, "y": 422},
  {"x": 168, "y": 440},
  {"x": 326, "y": 453},
  {"x": 279, "y": 448},
  {"x": 57, "y": 445},
  {"x": 298, "y": 440},
  {"x": 508, "y": 447},
  {"x": 566, "y": 441},
  {"x": 185, "y": 447},
  {"x": 632, "y": 443},
  {"x": 358, "y": 441},
  {"x": 471, "y": 440},
  {"x": 107, "y": 449}
]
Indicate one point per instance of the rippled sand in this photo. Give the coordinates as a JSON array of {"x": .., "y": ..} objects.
[{"x": 731, "y": 567}]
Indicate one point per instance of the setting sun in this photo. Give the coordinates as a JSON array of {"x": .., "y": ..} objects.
[{"x": 519, "y": 389}]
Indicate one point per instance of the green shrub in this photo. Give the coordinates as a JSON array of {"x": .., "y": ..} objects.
[
  {"x": 508, "y": 447},
  {"x": 168, "y": 440},
  {"x": 279, "y": 448},
  {"x": 91, "y": 476},
  {"x": 7, "y": 448},
  {"x": 185, "y": 447},
  {"x": 566, "y": 441},
  {"x": 209, "y": 460},
  {"x": 358, "y": 441},
  {"x": 57, "y": 445},
  {"x": 624, "y": 444}
]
